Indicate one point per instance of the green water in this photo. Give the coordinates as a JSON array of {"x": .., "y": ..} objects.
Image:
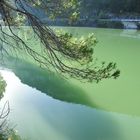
[{"x": 45, "y": 106}]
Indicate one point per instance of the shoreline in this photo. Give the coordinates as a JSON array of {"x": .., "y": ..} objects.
[{"x": 98, "y": 23}]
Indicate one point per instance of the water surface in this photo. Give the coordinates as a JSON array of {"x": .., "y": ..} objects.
[{"x": 46, "y": 106}]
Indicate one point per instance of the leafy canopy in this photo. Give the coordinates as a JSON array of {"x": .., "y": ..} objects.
[
  {"x": 2, "y": 86},
  {"x": 58, "y": 50}
]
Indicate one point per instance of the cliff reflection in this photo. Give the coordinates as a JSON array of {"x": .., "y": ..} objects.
[{"x": 49, "y": 83}]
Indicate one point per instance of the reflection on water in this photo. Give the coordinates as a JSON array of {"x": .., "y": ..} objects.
[
  {"x": 40, "y": 117},
  {"x": 45, "y": 106},
  {"x": 130, "y": 33},
  {"x": 49, "y": 83}
]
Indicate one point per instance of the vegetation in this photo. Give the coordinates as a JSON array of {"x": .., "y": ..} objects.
[
  {"x": 108, "y": 8},
  {"x": 2, "y": 86},
  {"x": 6, "y": 133},
  {"x": 56, "y": 48},
  {"x": 4, "y": 111}
]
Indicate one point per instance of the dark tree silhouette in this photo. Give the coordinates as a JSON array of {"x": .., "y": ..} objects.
[{"x": 58, "y": 48}]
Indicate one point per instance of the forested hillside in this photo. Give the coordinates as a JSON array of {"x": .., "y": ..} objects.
[{"x": 110, "y": 8}]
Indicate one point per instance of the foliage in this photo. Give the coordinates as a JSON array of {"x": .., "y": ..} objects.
[
  {"x": 4, "y": 129},
  {"x": 14, "y": 136},
  {"x": 4, "y": 112},
  {"x": 93, "y": 8},
  {"x": 54, "y": 46},
  {"x": 5, "y": 132},
  {"x": 57, "y": 8},
  {"x": 10, "y": 134},
  {"x": 81, "y": 48},
  {"x": 2, "y": 86}
]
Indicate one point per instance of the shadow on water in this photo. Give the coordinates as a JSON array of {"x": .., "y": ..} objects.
[
  {"x": 49, "y": 83},
  {"x": 72, "y": 122}
]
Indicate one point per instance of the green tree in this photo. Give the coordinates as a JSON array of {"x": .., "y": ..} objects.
[
  {"x": 3, "y": 112},
  {"x": 2, "y": 89},
  {"x": 2, "y": 86},
  {"x": 5, "y": 132},
  {"x": 58, "y": 48},
  {"x": 94, "y": 8}
]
